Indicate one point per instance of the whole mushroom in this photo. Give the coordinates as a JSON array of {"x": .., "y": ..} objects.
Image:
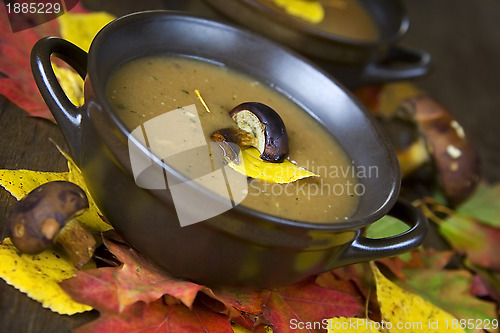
[
  {"x": 38, "y": 221},
  {"x": 455, "y": 160}
]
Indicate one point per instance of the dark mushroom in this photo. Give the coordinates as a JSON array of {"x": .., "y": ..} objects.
[
  {"x": 225, "y": 136},
  {"x": 455, "y": 160},
  {"x": 266, "y": 126},
  {"x": 38, "y": 217}
]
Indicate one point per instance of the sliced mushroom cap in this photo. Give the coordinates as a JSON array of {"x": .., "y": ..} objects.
[
  {"x": 225, "y": 136},
  {"x": 38, "y": 217},
  {"x": 455, "y": 159},
  {"x": 266, "y": 126}
]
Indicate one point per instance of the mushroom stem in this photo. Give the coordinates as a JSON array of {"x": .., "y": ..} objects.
[{"x": 77, "y": 241}]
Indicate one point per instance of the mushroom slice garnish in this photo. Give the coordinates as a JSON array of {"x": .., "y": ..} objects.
[{"x": 266, "y": 126}]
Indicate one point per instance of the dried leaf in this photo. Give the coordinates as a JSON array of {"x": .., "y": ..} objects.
[
  {"x": 93, "y": 219},
  {"x": 71, "y": 83},
  {"x": 80, "y": 29},
  {"x": 244, "y": 300},
  {"x": 416, "y": 259},
  {"x": 253, "y": 166},
  {"x": 28, "y": 272},
  {"x": 158, "y": 317},
  {"x": 478, "y": 241},
  {"x": 17, "y": 83},
  {"x": 451, "y": 291},
  {"x": 130, "y": 296},
  {"x": 43, "y": 266},
  {"x": 20, "y": 182},
  {"x": 307, "y": 302},
  {"x": 400, "y": 306},
  {"x": 113, "y": 289},
  {"x": 309, "y": 10},
  {"x": 355, "y": 280},
  {"x": 484, "y": 205}
]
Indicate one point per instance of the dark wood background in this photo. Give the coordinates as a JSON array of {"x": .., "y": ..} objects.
[{"x": 463, "y": 37}]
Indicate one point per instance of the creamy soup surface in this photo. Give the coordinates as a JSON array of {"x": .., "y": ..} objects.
[
  {"x": 147, "y": 87},
  {"x": 347, "y": 18}
]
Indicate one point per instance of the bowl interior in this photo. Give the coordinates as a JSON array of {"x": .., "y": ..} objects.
[{"x": 159, "y": 32}]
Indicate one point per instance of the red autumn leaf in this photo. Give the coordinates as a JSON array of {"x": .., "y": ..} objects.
[
  {"x": 307, "y": 302},
  {"x": 158, "y": 317},
  {"x": 359, "y": 275},
  {"x": 357, "y": 281},
  {"x": 244, "y": 300},
  {"x": 17, "y": 83},
  {"x": 118, "y": 292},
  {"x": 16, "y": 80},
  {"x": 137, "y": 279}
]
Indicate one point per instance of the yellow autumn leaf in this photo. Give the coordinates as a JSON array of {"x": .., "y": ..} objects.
[
  {"x": 253, "y": 166},
  {"x": 20, "y": 182},
  {"x": 71, "y": 83},
  {"x": 399, "y": 306},
  {"x": 79, "y": 29},
  {"x": 402, "y": 312},
  {"x": 39, "y": 276},
  {"x": 92, "y": 218},
  {"x": 28, "y": 272},
  {"x": 309, "y": 10}
]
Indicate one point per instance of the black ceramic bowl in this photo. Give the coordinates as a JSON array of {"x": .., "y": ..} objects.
[
  {"x": 240, "y": 246},
  {"x": 353, "y": 61}
]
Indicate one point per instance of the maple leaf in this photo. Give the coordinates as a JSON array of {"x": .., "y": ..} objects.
[
  {"x": 17, "y": 83},
  {"x": 156, "y": 316},
  {"x": 112, "y": 289},
  {"x": 356, "y": 280},
  {"x": 307, "y": 302}
]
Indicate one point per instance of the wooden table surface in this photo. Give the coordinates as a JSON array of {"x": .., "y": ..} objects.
[{"x": 463, "y": 37}]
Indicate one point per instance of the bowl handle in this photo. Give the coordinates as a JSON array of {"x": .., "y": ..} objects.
[
  {"x": 67, "y": 115},
  {"x": 365, "y": 249},
  {"x": 399, "y": 64}
]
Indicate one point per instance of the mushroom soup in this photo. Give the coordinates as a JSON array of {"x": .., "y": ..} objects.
[
  {"x": 145, "y": 88},
  {"x": 346, "y": 18}
]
